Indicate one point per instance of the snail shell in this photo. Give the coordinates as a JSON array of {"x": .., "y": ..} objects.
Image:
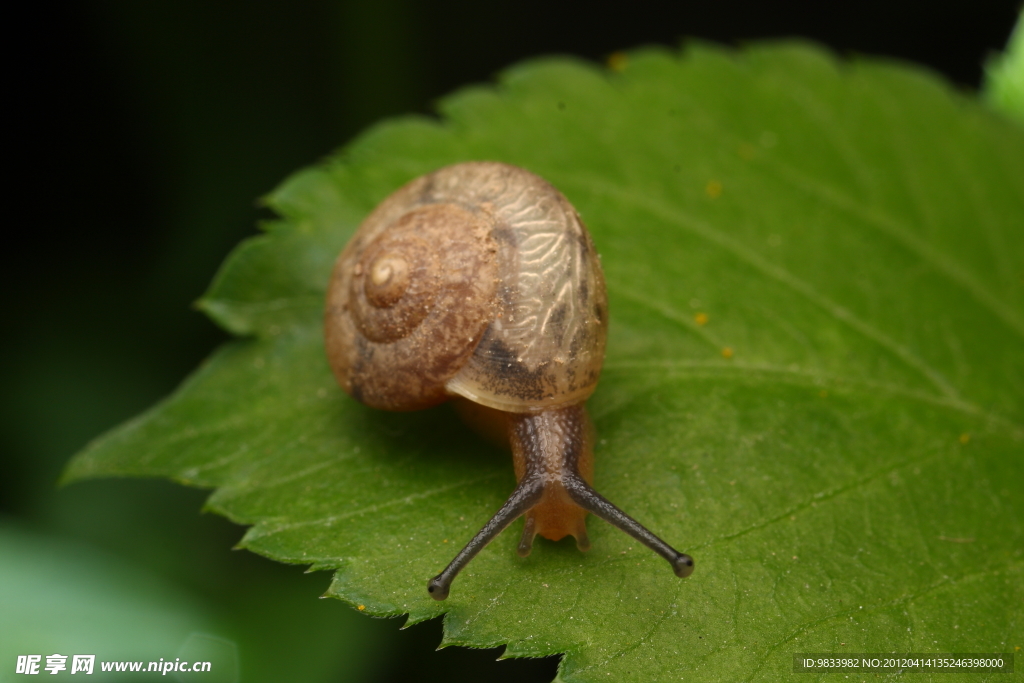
[{"x": 477, "y": 280}]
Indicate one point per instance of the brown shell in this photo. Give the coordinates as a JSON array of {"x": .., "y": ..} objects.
[{"x": 477, "y": 280}]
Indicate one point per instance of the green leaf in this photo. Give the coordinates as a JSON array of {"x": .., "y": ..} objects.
[
  {"x": 838, "y": 443},
  {"x": 1004, "y": 76}
]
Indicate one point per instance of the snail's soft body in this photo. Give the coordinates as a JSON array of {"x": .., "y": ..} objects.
[{"x": 479, "y": 282}]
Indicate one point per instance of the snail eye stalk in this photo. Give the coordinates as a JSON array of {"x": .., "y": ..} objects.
[
  {"x": 525, "y": 496},
  {"x": 593, "y": 502}
]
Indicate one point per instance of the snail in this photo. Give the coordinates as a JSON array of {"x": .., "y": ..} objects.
[{"x": 478, "y": 282}]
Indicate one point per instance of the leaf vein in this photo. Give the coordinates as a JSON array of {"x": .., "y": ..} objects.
[{"x": 264, "y": 530}]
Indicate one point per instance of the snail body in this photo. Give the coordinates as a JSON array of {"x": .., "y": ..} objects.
[{"x": 479, "y": 282}]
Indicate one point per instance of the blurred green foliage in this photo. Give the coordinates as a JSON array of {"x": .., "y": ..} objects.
[{"x": 1004, "y": 76}]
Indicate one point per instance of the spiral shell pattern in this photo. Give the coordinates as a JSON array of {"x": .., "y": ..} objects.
[{"x": 476, "y": 280}]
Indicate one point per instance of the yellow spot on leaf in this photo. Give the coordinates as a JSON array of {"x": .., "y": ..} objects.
[
  {"x": 618, "y": 61},
  {"x": 727, "y": 352},
  {"x": 713, "y": 188},
  {"x": 964, "y": 438},
  {"x": 955, "y": 540},
  {"x": 361, "y": 607},
  {"x": 823, "y": 393},
  {"x": 701, "y": 318},
  {"x": 746, "y": 151}
]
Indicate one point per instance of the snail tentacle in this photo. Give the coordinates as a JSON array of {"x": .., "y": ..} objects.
[
  {"x": 590, "y": 500},
  {"x": 524, "y": 497}
]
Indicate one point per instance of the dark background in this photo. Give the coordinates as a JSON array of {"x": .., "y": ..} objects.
[{"x": 143, "y": 134}]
